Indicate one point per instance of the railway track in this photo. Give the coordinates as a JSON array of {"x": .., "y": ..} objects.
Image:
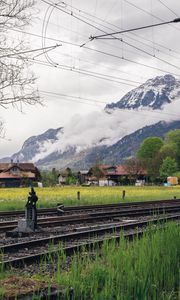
[
  {"x": 24, "y": 253},
  {"x": 82, "y": 208},
  {"x": 100, "y": 215}
]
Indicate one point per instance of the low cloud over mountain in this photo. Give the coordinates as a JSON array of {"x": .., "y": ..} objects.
[{"x": 93, "y": 136}]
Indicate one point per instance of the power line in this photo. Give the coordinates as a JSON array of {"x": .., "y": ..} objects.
[
  {"x": 86, "y": 13},
  {"x": 134, "y": 29},
  {"x": 74, "y": 97},
  {"x": 132, "y": 61},
  {"x": 111, "y": 55},
  {"x": 85, "y": 72},
  {"x": 29, "y": 51},
  {"x": 70, "y": 14},
  {"x": 77, "y": 99},
  {"x": 81, "y": 11},
  {"x": 95, "y": 50},
  {"x": 102, "y": 52},
  {"x": 105, "y": 53},
  {"x": 66, "y": 42},
  {"x": 107, "y": 67},
  {"x": 172, "y": 11},
  {"x": 128, "y": 37},
  {"x": 145, "y": 11},
  {"x": 121, "y": 40}
]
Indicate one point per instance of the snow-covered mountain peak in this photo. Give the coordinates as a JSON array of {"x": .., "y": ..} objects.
[
  {"x": 167, "y": 80},
  {"x": 154, "y": 93}
]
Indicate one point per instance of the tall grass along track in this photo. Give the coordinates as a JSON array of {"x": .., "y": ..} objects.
[{"x": 74, "y": 241}]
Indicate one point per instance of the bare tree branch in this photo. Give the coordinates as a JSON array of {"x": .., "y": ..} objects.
[{"x": 16, "y": 80}]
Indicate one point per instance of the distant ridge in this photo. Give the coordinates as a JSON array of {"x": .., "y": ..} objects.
[{"x": 46, "y": 150}]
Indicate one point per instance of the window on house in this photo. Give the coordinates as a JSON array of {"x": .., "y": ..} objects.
[{"x": 15, "y": 170}]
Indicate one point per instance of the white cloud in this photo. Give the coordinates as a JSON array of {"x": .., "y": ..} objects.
[{"x": 102, "y": 128}]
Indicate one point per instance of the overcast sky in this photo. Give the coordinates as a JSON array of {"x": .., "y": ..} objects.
[{"x": 64, "y": 87}]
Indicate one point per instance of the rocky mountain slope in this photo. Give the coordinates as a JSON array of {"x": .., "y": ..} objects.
[
  {"x": 124, "y": 148},
  {"x": 51, "y": 148},
  {"x": 34, "y": 145},
  {"x": 154, "y": 93}
]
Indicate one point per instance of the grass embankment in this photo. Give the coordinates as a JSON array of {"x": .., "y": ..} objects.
[
  {"x": 13, "y": 199},
  {"x": 145, "y": 269}
]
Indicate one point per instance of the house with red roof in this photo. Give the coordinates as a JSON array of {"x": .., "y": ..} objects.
[{"x": 115, "y": 175}]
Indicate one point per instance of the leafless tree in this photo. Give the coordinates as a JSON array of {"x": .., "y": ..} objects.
[{"x": 16, "y": 80}]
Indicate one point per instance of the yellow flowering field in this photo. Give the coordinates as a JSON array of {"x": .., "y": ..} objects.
[{"x": 15, "y": 198}]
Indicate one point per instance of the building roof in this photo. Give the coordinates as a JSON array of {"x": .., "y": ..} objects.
[
  {"x": 26, "y": 170},
  {"x": 22, "y": 166},
  {"x": 119, "y": 170}
]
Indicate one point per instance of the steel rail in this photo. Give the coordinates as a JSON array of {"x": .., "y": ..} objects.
[
  {"x": 94, "y": 216},
  {"x": 68, "y": 209},
  {"x": 69, "y": 250}
]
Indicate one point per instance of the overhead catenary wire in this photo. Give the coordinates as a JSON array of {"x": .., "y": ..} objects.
[
  {"x": 86, "y": 72},
  {"x": 115, "y": 26},
  {"x": 129, "y": 111},
  {"x": 78, "y": 70},
  {"x": 29, "y": 51},
  {"x": 149, "y": 13},
  {"x": 129, "y": 37},
  {"x": 165, "y": 5},
  {"x": 80, "y": 10},
  {"x": 133, "y": 29},
  {"x": 102, "y": 52},
  {"x": 132, "y": 61},
  {"x": 49, "y": 38},
  {"x": 104, "y": 102},
  {"x": 120, "y": 39},
  {"x": 44, "y": 30}
]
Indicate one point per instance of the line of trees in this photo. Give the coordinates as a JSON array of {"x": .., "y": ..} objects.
[{"x": 160, "y": 158}]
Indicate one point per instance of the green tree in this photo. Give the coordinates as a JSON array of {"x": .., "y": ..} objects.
[
  {"x": 49, "y": 178},
  {"x": 149, "y": 148},
  {"x": 71, "y": 179},
  {"x": 148, "y": 153},
  {"x": 169, "y": 149},
  {"x": 173, "y": 138},
  {"x": 168, "y": 167}
]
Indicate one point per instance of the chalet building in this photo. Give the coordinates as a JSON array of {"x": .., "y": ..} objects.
[
  {"x": 84, "y": 176},
  {"x": 105, "y": 175},
  {"x": 18, "y": 174},
  {"x": 63, "y": 176},
  {"x": 115, "y": 175}
]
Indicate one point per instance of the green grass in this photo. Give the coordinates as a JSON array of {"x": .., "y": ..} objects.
[
  {"x": 145, "y": 269},
  {"x": 13, "y": 199}
]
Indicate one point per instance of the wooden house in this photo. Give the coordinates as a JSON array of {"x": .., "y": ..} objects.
[
  {"x": 18, "y": 174},
  {"x": 114, "y": 175},
  {"x": 63, "y": 176},
  {"x": 84, "y": 176}
]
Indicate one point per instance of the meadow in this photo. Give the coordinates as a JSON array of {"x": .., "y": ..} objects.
[{"x": 15, "y": 198}]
